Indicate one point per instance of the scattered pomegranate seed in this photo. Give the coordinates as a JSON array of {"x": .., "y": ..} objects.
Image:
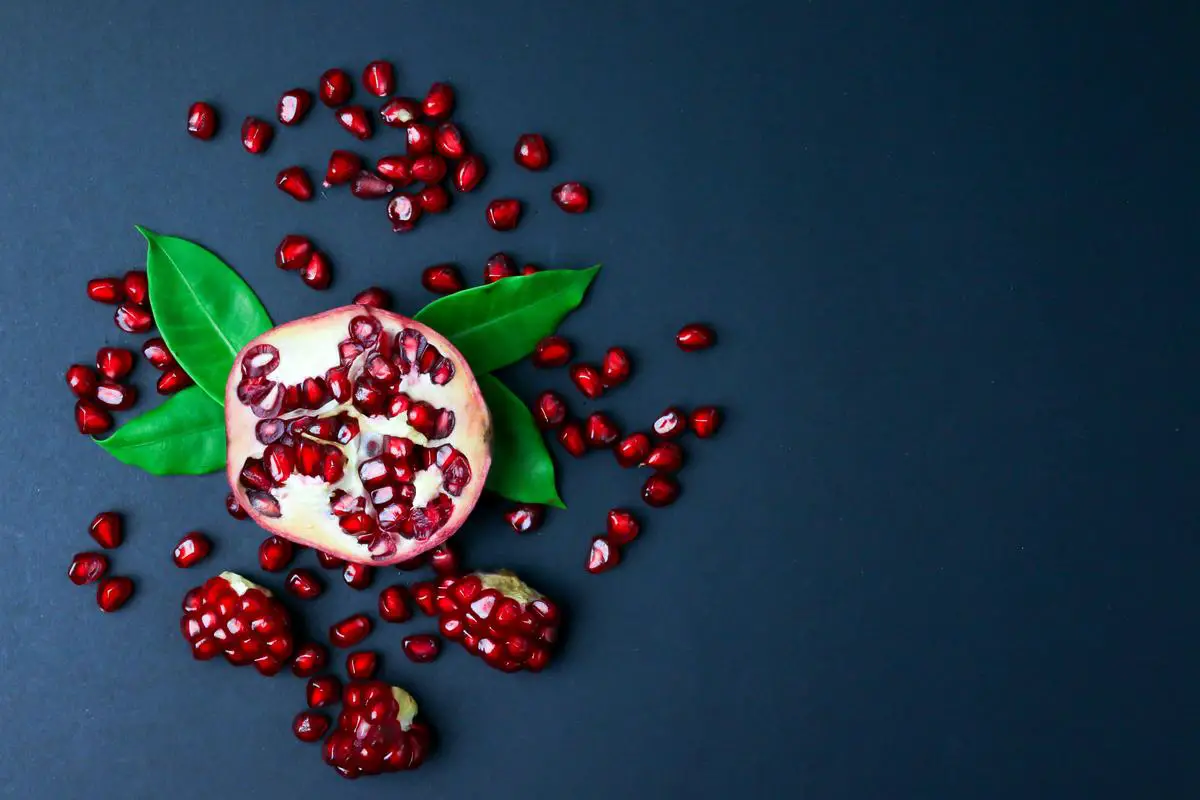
[
  {"x": 329, "y": 561},
  {"x": 449, "y": 141},
  {"x": 469, "y": 173},
  {"x": 90, "y": 418},
  {"x": 343, "y": 167},
  {"x": 310, "y": 726},
  {"x": 422, "y": 648},
  {"x": 404, "y": 211},
  {"x": 356, "y": 120},
  {"x": 397, "y": 169},
  {"x": 504, "y": 213},
  {"x": 191, "y": 550},
  {"x": 400, "y": 111},
  {"x": 572, "y": 438},
  {"x": 442, "y": 279},
  {"x": 275, "y": 553},
  {"x": 586, "y": 378},
  {"x": 112, "y": 593},
  {"x": 323, "y": 690},
  {"x": 335, "y": 87},
  {"x": 525, "y": 518},
  {"x": 369, "y": 186},
  {"x": 293, "y": 251},
  {"x": 695, "y": 336},
  {"x": 444, "y": 560},
  {"x": 172, "y": 380},
  {"x": 420, "y": 139},
  {"x": 81, "y": 380},
  {"x": 429, "y": 168},
  {"x": 439, "y": 101},
  {"x": 105, "y": 290},
  {"x": 573, "y": 198},
  {"x": 530, "y": 269},
  {"x": 665, "y": 457},
  {"x": 549, "y": 410},
  {"x": 362, "y": 664},
  {"x": 373, "y": 296},
  {"x": 310, "y": 659},
  {"x": 294, "y": 181},
  {"x": 136, "y": 286},
  {"x": 133, "y": 318},
  {"x": 87, "y": 568},
  {"x": 293, "y": 106},
  {"x": 622, "y": 527},
  {"x": 379, "y": 78},
  {"x": 499, "y": 266},
  {"x": 424, "y": 595},
  {"x": 633, "y": 449},
  {"x": 115, "y": 396},
  {"x": 670, "y": 423},
  {"x": 114, "y": 363},
  {"x": 705, "y": 421},
  {"x": 531, "y": 151},
  {"x": 350, "y": 631},
  {"x": 107, "y": 529},
  {"x": 234, "y": 507},
  {"x": 601, "y": 430},
  {"x": 317, "y": 273},
  {"x": 615, "y": 368},
  {"x": 660, "y": 490},
  {"x": 303, "y": 583},
  {"x": 434, "y": 199},
  {"x": 393, "y": 604},
  {"x": 553, "y": 351},
  {"x": 202, "y": 121},
  {"x": 256, "y": 135},
  {"x": 358, "y": 576},
  {"x": 603, "y": 556},
  {"x": 156, "y": 352}
]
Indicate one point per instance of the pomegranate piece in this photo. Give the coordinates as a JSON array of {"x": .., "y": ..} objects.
[
  {"x": 295, "y": 182},
  {"x": 343, "y": 167},
  {"x": 358, "y": 576},
  {"x": 172, "y": 380},
  {"x": 404, "y": 211},
  {"x": 525, "y": 518},
  {"x": 439, "y": 101},
  {"x": 670, "y": 423},
  {"x": 588, "y": 380},
  {"x": 81, "y": 380},
  {"x": 572, "y": 197},
  {"x": 444, "y": 561},
  {"x": 665, "y": 457},
  {"x": 705, "y": 421},
  {"x": 500, "y": 619},
  {"x": 362, "y": 665},
  {"x": 106, "y": 290},
  {"x": 116, "y": 396},
  {"x": 504, "y": 213},
  {"x": 397, "y": 169},
  {"x": 695, "y": 336},
  {"x": 136, "y": 286},
  {"x": 603, "y": 556},
  {"x": 113, "y": 593},
  {"x": 499, "y": 265},
  {"x": 615, "y": 368},
  {"x": 335, "y": 87},
  {"x": 434, "y": 199},
  {"x": 442, "y": 279},
  {"x": 156, "y": 352},
  {"x": 376, "y": 732},
  {"x": 310, "y": 726},
  {"x": 448, "y": 139},
  {"x": 191, "y": 550},
  {"x": 303, "y": 583},
  {"x": 275, "y": 552},
  {"x": 133, "y": 318},
  {"x": 231, "y": 615},
  {"x": 107, "y": 529},
  {"x": 317, "y": 273},
  {"x": 393, "y": 604},
  {"x": 660, "y": 490},
  {"x": 572, "y": 438},
  {"x": 622, "y": 526},
  {"x": 87, "y": 568},
  {"x": 90, "y": 418},
  {"x": 322, "y": 690},
  {"x": 310, "y": 659},
  {"x": 420, "y": 139},
  {"x": 633, "y": 449},
  {"x": 294, "y": 251},
  {"x": 379, "y": 78},
  {"x": 531, "y": 152},
  {"x": 549, "y": 410},
  {"x": 422, "y": 648},
  {"x": 429, "y": 168},
  {"x": 293, "y": 106},
  {"x": 356, "y": 120},
  {"x": 400, "y": 112},
  {"x": 601, "y": 431},
  {"x": 373, "y": 296},
  {"x": 369, "y": 186},
  {"x": 350, "y": 631},
  {"x": 469, "y": 173},
  {"x": 256, "y": 135},
  {"x": 202, "y": 121}
]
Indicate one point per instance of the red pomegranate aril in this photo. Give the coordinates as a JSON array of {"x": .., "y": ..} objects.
[
  {"x": 397, "y": 169},
  {"x": 504, "y": 213},
  {"x": 531, "y": 152},
  {"x": 293, "y": 251},
  {"x": 439, "y": 101},
  {"x": 81, "y": 380},
  {"x": 552, "y": 351},
  {"x": 87, "y": 568},
  {"x": 603, "y": 556},
  {"x": 358, "y": 576},
  {"x": 601, "y": 430},
  {"x": 530, "y": 269},
  {"x": 424, "y": 596},
  {"x": 256, "y": 135},
  {"x": 293, "y": 106},
  {"x": 136, "y": 287},
  {"x": 295, "y": 182},
  {"x": 665, "y": 457},
  {"x": 549, "y": 410},
  {"x": 112, "y": 593},
  {"x": 369, "y": 186},
  {"x": 343, "y": 167},
  {"x": 419, "y": 138},
  {"x": 660, "y": 490},
  {"x": 633, "y": 449},
  {"x": 572, "y": 197},
  {"x": 525, "y": 518},
  {"x": 202, "y": 121},
  {"x": 587, "y": 379},
  {"x": 191, "y": 550},
  {"x": 379, "y": 78},
  {"x": 615, "y": 368},
  {"x": 444, "y": 560},
  {"x": 350, "y": 631},
  {"x": 303, "y": 583},
  {"x": 156, "y": 352},
  {"x": 90, "y": 418},
  {"x": 106, "y": 290},
  {"x": 400, "y": 111},
  {"x": 275, "y": 553},
  {"x": 695, "y": 336},
  {"x": 442, "y": 279},
  {"x": 172, "y": 380},
  {"x": 133, "y": 318},
  {"x": 572, "y": 438},
  {"x": 422, "y": 648},
  {"x": 335, "y": 87},
  {"x": 670, "y": 423},
  {"x": 393, "y": 604},
  {"x": 469, "y": 173},
  {"x": 434, "y": 199},
  {"x": 323, "y": 690},
  {"x": 374, "y": 297},
  {"x": 404, "y": 211},
  {"x": 362, "y": 664},
  {"x": 107, "y": 529},
  {"x": 356, "y": 120},
  {"x": 622, "y": 526},
  {"x": 429, "y": 168},
  {"x": 116, "y": 396},
  {"x": 310, "y": 659},
  {"x": 449, "y": 141},
  {"x": 705, "y": 421},
  {"x": 310, "y": 726}
]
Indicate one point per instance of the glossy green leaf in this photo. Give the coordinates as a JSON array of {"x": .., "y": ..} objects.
[
  {"x": 204, "y": 311},
  {"x": 521, "y": 466},
  {"x": 498, "y": 324},
  {"x": 183, "y": 436}
]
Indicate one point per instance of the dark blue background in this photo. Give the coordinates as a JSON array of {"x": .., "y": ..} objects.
[{"x": 946, "y": 545}]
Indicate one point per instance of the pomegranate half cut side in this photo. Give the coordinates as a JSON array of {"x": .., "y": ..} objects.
[{"x": 359, "y": 432}]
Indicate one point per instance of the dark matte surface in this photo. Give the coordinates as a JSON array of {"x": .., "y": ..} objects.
[{"x": 944, "y": 548}]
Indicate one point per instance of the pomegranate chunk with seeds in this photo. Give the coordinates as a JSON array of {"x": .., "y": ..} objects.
[
  {"x": 500, "y": 619},
  {"x": 232, "y": 616},
  {"x": 376, "y": 732}
]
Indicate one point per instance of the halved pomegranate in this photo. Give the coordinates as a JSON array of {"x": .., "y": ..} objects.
[{"x": 359, "y": 432}]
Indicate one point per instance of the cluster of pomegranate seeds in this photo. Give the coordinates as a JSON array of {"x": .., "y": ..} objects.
[
  {"x": 231, "y": 615},
  {"x": 99, "y": 392},
  {"x": 297, "y": 253},
  {"x": 376, "y": 732},
  {"x": 498, "y": 618},
  {"x": 90, "y": 567},
  {"x": 191, "y": 550},
  {"x": 173, "y": 377}
]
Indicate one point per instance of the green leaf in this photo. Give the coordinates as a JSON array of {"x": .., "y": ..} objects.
[
  {"x": 498, "y": 324},
  {"x": 205, "y": 312},
  {"x": 521, "y": 466},
  {"x": 183, "y": 436}
]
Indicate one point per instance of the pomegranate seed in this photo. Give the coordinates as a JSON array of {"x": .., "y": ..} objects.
[
  {"x": 665, "y": 457},
  {"x": 421, "y": 649},
  {"x": 293, "y": 106},
  {"x": 705, "y": 421},
  {"x": 530, "y": 269},
  {"x": 113, "y": 593},
  {"x": 670, "y": 423},
  {"x": 369, "y": 186},
  {"x": 374, "y": 297},
  {"x": 397, "y": 169},
  {"x": 156, "y": 352},
  {"x": 310, "y": 659},
  {"x": 323, "y": 690},
  {"x": 295, "y": 182},
  {"x": 601, "y": 430},
  {"x": 329, "y": 561},
  {"x": 105, "y": 290},
  {"x": 116, "y": 396},
  {"x": 573, "y": 198},
  {"x": 362, "y": 664},
  {"x": 469, "y": 173},
  {"x": 90, "y": 418},
  {"x": 356, "y": 120},
  {"x": 393, "y": 604},
  {"x": 442, "y": 279},
  {"x": 107, "y": 529},
  {"x": 603, "y": 556},
  {"x": 275, "y": 553},
  {"x": 525, "y": 518},
  {"x": 504, "y": 213},
  {"x": 400, "y": 111},
  {"x": 136, "y": 287},
  {"x": 444, "y": 561},
  {"x": 531, "y": 151},
  {"x": 172, "y": 380},
  {"x": 87, "y": 568},
  {"x": 439, "y": 101},
  {"x": 552, "y": 351},
  {"x": 358, "y": 576},
  {"x": 633, "y": 449},
  {"x": 615, "y": 368},
  {"x": 428, "y": 168},
  {"x": 549, "y": 410},
  {"x": 81, "y": 380},
  {"x": 449, "y": 141},
  {"x": 434, "y": 199},
  {"x": 335, "y": 87},
  {"x": 499, "y": 266},
  {"x": 191, "y": 550},
  {"x": 310, "y": 726},
  {"x": 293, "y": 251},
  {"x": 622, "y": 527},
  {"x": 234, "y": 507},
  {"x": 303, "y": 583},
  {"x": 571, "y": 437},
  {"x": 695, "y": 336},
  {"x": 379, "y": 78},
  {"x": 420, "y": 139},
  {"x": 343, "y": 167},
  {"x": 404, "y": 211},
  {"x": 202, "y": 121},
  {"x": 660, "y": 490},
  {"x": 350, "y": 631},
  {"x": 587, "y": 379},
  {"x": 256, "y": 135},
  {"x": 424, "y": 595},
  {"x": 133, "y": 318},
  {"x": 114, "y": 363}
]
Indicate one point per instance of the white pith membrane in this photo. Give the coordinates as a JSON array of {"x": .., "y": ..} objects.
[
  {"x": 411, "y": 423},
  {"x": 407, "y": 707},
  {"x": 242, "y": 585}
]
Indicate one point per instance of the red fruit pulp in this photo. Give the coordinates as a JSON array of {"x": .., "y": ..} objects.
[
  {"x": 303, "y": 583},
  {"x": 587, "y": 379},
  {"x": 362, "y": 665},
  {"x": 136, "y": 286},
  {"x": 350, "y": 631},
  {"x": 400, "y": 111},
  {"x": 293, "y": 251},
  {"x": 114, "y": 363},
  {"x": 525, "y": 518},
  {"x": 660, "y": 490},
  {"x": 439, "y": 101},
  {"x": 342, "y": 168},
  {"x": 449, "y": 141},
  {"x": 310, "y": 726},
  {"x": 310, "y": 659},
  {"x": 133, "y": 318},
  {"x": 615, "y": 368},
  {"x": 603, "y": 556},
  {"x": 622, "y": 526},
  {"x": 156, "y": 352},
  {"x": 552, "y": 351},
  {"x": 81, "y": 380},
  {"x": 705, "y": 421},
  {"x": 232, "y": 616},
  {"x": 322, "y": 690},
  {"x": 356, "y": 120},
  {"x": 106, "y": 290},
  {"x": 469, "y": 173},
  {"x": 373, "y": 296}
]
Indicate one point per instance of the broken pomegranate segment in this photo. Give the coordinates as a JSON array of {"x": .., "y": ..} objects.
[
  {"x": 202, "y": 121},
  {"x": 191, "y": 550},
  {"x": 572, "y": 197},
  {"x": 293, "y": 106},
  {"x": 500, "y": 619},
  {"x": 531, "y": 152},
  {"x": 376, "y": 732},
  {"x": 231, "y": 615},
  {"x": 87, "y": 568},
  {"x": 421, "y": 648},
  {"x": 114, "y": 592},
  {"x": 695, "y": 336},
  {"x": 504, "y": 213}
]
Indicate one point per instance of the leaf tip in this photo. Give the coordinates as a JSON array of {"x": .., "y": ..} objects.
[{"x": 146, "y": 233}]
